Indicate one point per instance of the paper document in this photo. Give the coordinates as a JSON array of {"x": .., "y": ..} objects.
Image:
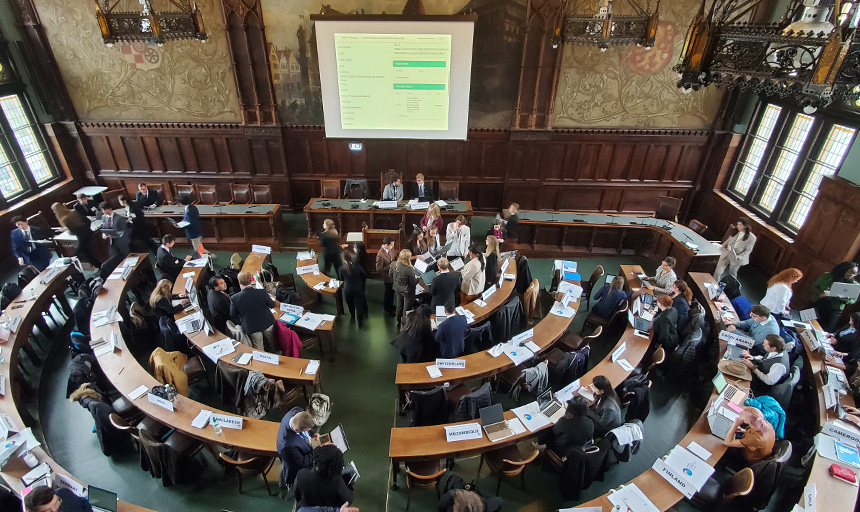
[
  {"x": 566, "y": 393},
  {"x": 618, "y": 351},
  {"x": 480, "y": 303},
  {"x": 518, "y": 355},
  {"x": 532, "y": 346},
  {"x": 531, "y": 416},
  {"x": 629, "y": 497},
  {"x": 202, "y": 419},
  {"x": 309, "y": 321},
  {"x": 182, "y": 224},
  {"x": 626, "y": 366},
  {"x": 218, "y": 349},
  {"x": 564, "y": 287},
  {"x": 700, "y": 452},
  {"x": 312, "y": 367},
  {"x": 138, "y": 392},
  {"x": 434, "y": 371},
  {"x": 516, "y": 426},
  {"x": 561, "y": 310}
]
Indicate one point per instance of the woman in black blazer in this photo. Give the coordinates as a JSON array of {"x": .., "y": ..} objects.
[
  {"x": 331, "y": 247},
  {"x": 574, "y": 429},
  {"x": 665, "y": 325},
  {"x": 354, "y": 277},
  {"x": 161, "y": 297},
  {"x": 415, "y": 342},
  {"x": 491, "y": 258}
]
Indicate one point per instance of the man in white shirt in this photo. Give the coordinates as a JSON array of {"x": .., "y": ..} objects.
[
  {"x": 770, "y": 369},
  {"x": 461, "y": 236}
]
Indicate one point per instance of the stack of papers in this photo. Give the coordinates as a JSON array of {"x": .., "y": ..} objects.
[
  {"x": 531, "y": 416},
  {"x": 101, "y": 318},
  {"x": 197, "y": 263},
  {"x": 304, "y": 255},
  {"x": 310, "y": 321},
  {"x": 313, "y": 367},
  {"x": 518, "y": 355},
  {"x": 218, "y": 349},
  {"x": 685, "y": 471},
  {"x": 629, "y": 497}
]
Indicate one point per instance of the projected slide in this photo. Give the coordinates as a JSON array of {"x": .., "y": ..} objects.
[{"x": 393, "y": 81}]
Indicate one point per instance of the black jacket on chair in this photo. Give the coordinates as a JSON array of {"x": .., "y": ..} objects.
[
  {"x": 508, "y": 320},
  {"x": 443, "y": 289},
  {"x": 252, "y": 307},
  {"x": 582, "y": 468}
]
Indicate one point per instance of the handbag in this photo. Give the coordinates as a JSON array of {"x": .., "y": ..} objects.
[{"x": 319, "y": 406}]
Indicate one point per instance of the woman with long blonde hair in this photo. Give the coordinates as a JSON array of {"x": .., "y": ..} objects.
[
  {"x": 161, "y": 297},
  {"x": 491, "y": 259},
  {"x": 404, "y": 282},
  {"x": 331, "y": 248},
  {"x": 433, "y": 217}
]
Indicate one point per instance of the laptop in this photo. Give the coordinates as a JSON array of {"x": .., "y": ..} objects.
[
  {"x": 441, "y": 250},
  {"x": 549, "y": 406},
  {"x": 493, "y": 420},
  {"x": 102, "y": 500},
  {"x": 728, "y": 392},
  {"x": 648, "y": 300},
  {"x": 638, "y": 323},
  {"x": 428, "y": 277},
  {"x": 845, "y": 291}
]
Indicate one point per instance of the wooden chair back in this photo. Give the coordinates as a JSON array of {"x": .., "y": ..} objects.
[
  {"x": 698, "y": 227},
  {"x": 187, "y": 190},
  {"x": 330, "y": 189},
  {"x": 373, "y": 239},
  {"x": 241, "y": 193},
  {"x": 208, "y": 194},
  {"x": 262, "y": 194},
  {"x": 111, "y": 197},
  {"x": 163, "y": 192},
  {"x": 668, "y": 208},
  {"x": 449, "y": 189},
  {"x": 424, "y": 474},
  {"x": 657, "y": 358},
  {"x": 740, "y": 484}
]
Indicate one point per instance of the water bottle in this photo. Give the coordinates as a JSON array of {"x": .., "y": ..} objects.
[
  {"x": 313, "y": 255},
  {"x": 216, "y": 426}
]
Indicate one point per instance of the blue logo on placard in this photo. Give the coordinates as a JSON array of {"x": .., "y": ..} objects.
[
  {"x": 688, "y": 471},
  {"x": 528, "y": 416}
]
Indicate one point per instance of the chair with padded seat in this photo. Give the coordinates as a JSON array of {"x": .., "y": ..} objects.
[
  {"x": 160, "y": 188},
  {"x": 122, "y": 425},
  {"x": 697, "y": 227},
  {"x": 250, "y": 465},
  {"x": 424, "y": 474},
  {"x": 571, "y": 341},
  {"x": 714, "y": 493},
  {"x": 207, "y": 194},
  {"x": 288, "y": 281},
  {"x": 262, "y": 194},
  {"x": 195, "y": 370},
  {"x": 241, "y": 193},
  {"x": 657, "y": 359},
  {"x": 449, "y": 190},
  {"x": 111, "y": 197},
  {"x": 186, "y": 190},
  {"x": 598, "y": 321},
  {"x": 330, "y": 189},
  {"x": 126, "y": 410},
  {"x": 588, "y": 286},
  {"x": 508, "y": 461},
  {"x": 668, "y": 208}
]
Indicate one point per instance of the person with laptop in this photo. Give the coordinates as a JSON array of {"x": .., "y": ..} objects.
[
  {"x": 574, "y": 429},
  {"x": 253, "y": 307},
  {"x": 474, "y": 276},
  {"x": 169, "y": 265},
  {"x": 606, "y": 409},
  {"x": 45, "y": 499},
  {"x": 661, "y": 282},
  {"x": 443, "y": 288},
  {"x": 848, "y": 339},
  {"x": 322, "y": 484},
  {"x": 828, "y": 307},
  {"x": 459, "y": 235},
  {"x": 770, "y": 369},
  {"x": 665, "y": 325},
  {"x": 421, "y": 190},
  {"x": 610, "y": 298},
  {"x": 160, "y": 300},
  {"x": 753, "y": 434},
  {"x": 451, "y": 333},
  {"x": 418, "y": 244},
  {"x": 433, "y": 244},
  {"x": 682, "y": 297},
  {"x": 760, "y": 324}
]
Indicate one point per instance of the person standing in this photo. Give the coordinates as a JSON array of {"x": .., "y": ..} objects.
[
  {"x": 451, "y": 334},
  {"x": 459, "y": 236},
  {"x": 491, "y": 257},
  {"x": 511, "y": 226},
  {"x": 23, "y": 246},
  {"x": 404, "y": 281},
  {"x": 474, "y": 276},
  {"x": 148, "y": 198},
  {"x": 420, "y": 190},
  {"x": 443, "y": 287},
  {"x": 252, "y": 306},
  {"x": 322, "y": 484},
  {"x": 432, "y": 217},
  {"x": 415, "y": 340},
  {"x": 115, "y": 227},
  {"x": 828, "y": 308},
  {"x": 80, "y": 227},
  {"x": 384, "y": 257},
  {"x": 140, "y": 231},
  {"x": 735, "y": 251},
  {"x": 84, "y": 207},
  {"x": 393, "y": 191},
  {"x": 219, "y": 303},
  {"x": 682, "y": 297},
  {"x": 418, "y": 244},
  {"x": 194, "y": 230},
  {"x": 354, "y": 277},
  {"x": 331, "y": 247},
  {"x": 170, "y": 265},
  {"x": 778, "y": 295},
  {"x": 294, "y": 444}
]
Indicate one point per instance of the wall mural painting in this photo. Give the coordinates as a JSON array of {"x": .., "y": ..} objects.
[
  {"x": 629, "y": 86},
  {"x": 181, "y": 81},
  {"x": 495, "y": 62}
]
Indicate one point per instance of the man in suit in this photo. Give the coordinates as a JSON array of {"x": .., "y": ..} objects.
[
  {"x": 384, "y": 257},
  {"x": 194, "y": 231},
  {"x": 147, "y": 198},
  {"x": 219, "y": 303},
  {"x": 45, "y": 499},
  {"x": 115, "y": 227},
  {"x": 443, "y": 288},
  {"x": 294, "y": 444},
  {"x": 420, "y": 190},
  {"x": 139, "y": 230},
  {"x": 451, "y": 334},
  {"x": 166, "y": 261},
  {"x": 23, "y": 247},
  {"x": 84, "y": 207},
  {"x": 252, "y": 306}
]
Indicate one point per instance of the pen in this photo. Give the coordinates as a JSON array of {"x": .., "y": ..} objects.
[{"x": 120, "y": 372}]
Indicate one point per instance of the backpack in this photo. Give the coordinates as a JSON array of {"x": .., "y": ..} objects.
[
  {"x": 8, "y": 293},
  {"x": 268, "y": 273},
  {"x": 454, "y": 482},
  {"x": 320, "y": 408},
  {"x": 287, "y": 296},
  {"x": 235, "y": 261},
  {"x": 731, "y": 286}
]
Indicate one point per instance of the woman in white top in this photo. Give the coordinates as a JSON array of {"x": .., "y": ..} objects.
[
  {"x": 735, "y": 251},
  {"x": 779, "y": 291},
  {"x": 661, "y": 282},
  {"x": 473, "y": 276}
]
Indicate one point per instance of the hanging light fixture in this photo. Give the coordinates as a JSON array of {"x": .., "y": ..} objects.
[
  {"x": 609, "y": 27},
  {"x": 147, "y": 24},
  {"x": 810, "y": 55}
]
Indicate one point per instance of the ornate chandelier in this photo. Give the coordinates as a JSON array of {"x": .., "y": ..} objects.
[
  {"x": 147, "y": 25},
  {"x": 607, "y": 28},
  {"x": 810, "y": 55}
]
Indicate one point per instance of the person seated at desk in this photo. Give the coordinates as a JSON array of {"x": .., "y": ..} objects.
[
  {"x": 606, "y": 409},
  {"x": 253, "y": 307},
  {"x": 753, "y": 434},
  {"x": 384, "y": 257},
  {"x": 574, "y": 429},
  {"x": 160, "y": 300},
  {"x": 848, "y": 339},
  {"x": 461, "y": 500},
  {"x": 147, "y": 198},
  {"x": 432, "y": 238},
  {"x": 322, "y": 485},
  {"x": 219, "y": 303},
  {"x": 432, "y": 217},
  {"x": 610, "y": 298},
  {"x": 459, "y": 235},
  {"x": 393, "y": 190},
  {"x": 760, "y": 324},
  {"x": 443, "y": 287},
  {"x": 828, "y": 308},
  {"x": 170, "y": 265},
  {"x": 343, "y": 508},
  {"x": 420, "y": 190},
  {"x": 491, "y": 257},
  {"x": 770, "y": 369},
  {"x": 45, "y": 499},
  {"x": 682, "y": 297},
  {"x": 294, "y": 444},
  {"x": 853, "y": 414},
  {"x": 497, "y": 230},
  {"x": 451, "y": 334},
  {"x": 415, "y": 342},
  {"x": 115, "y": 228},
  {"x": 23, "y": 247},
  {"x": 473, "y": 275},
  {"x": 665, "y": 325},
  {"x": 418, "y": 244},
  {"x": 84, "y": 207},
  {"x": 661, "y": 282}
]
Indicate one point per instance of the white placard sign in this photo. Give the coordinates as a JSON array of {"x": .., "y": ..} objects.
[
  {"x": 387, "y": 204},
  {"x": 450, "y": 363},
  {"x": 262, "y": 249},
  {"x": 488, "y": 292},
  {"x": 842, "y": 431},
  {"x": 734, "y": 338},
  {"x": 523, "y": 336},
  {"x": 188, "y": 274},
  {"x": 225, "y": 421},
  {"x": 810, "y": 497},
  {"x": 66, "y": 482},
  {"x": 308, "y": 269},
  {"x": 157, "y": 400},
  {"x": 292, "y": 309},
  {"x": 618, "y": 351},
  {"x": 2, "y": 385},
  {"x": 463, "y": 432},
  {"x": 265, "y": 357},
  {"x": 674, "y": 478}
]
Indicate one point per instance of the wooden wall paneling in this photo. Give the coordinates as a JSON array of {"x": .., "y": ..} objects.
[
  {"x": 189, "y": 156},
  {"x": 672, "y": 164},
  {"x": 586, "y": 167},
  {"x": 610, "y": 200},
  {"x": 620, "y": 162},
  {"x": 654, "y": 166},
  {"x": 238, "y": 156},
  {"x": 260, "y": 155},
  {"x": 224, "y": 162},
  {"x": 585, "y": 199},
  {"x": 119, "y": 153},
  {"x": 204, "y": 150},
  {"x": 638, "y": 162},
  {"x": 453, "y": 156},
  {"x": 319, "y": 161},
  {"x": 539, "y": 66},
  {"x": 152, "y": 152},
  {"x": 135, "y": 154},
  {"x": 493, "y": 160},
  {"x": 171, "y": 156},
  {"x": 604, "y": 161}
]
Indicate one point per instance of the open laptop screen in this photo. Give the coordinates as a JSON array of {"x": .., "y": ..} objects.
[
  {"x": 101, "y": 499},
  {"x": 545, "y": 398},
  {"x": 491, "y": 414},
  {"x": 720, "y": 382}
]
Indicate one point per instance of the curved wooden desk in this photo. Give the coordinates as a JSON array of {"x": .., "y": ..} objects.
[
  {"x": 288, "y": 369},
  {"x": 126, "y": 374},
  {"x": 13, "y": 403},
  {"x": 496, "y": 300}
]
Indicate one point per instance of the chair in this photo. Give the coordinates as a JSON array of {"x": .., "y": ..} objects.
[
  {"x": 310, "y": 341},
  {"x": 598, "y": 321},
  {"x": 588, "y": 286},
  {"x": 782, "y": 392},
  {"x": 428, "y": 407},
  {"x": 158, "y": 187},
  {"x": 508, "y": 461},
  {"x": 330, "y": 189},
  {"x": 195, "y": 370},
  {"x": 713, "y": 493},
  {"x": 262, "y": 194},
  {"x": 208, "y": 194},
  {"x": 126, "y": 410},
  {"x": 288, "y": 281},
  {"x": 657, "y": 358},
  {"x": 241, "y": 193},
  {"x": 531, "y": 302},
  {"x": 555, "y": 460},
  {"x": 356, "y": 189},
  {"x": 39, "y": 220},
  {"x": 186, "y": 190},
  {"x": 697, "y": 227},
  {"x": 385, "y": 179},
  {"x": 111, "y": 197},
  {"x": 249, "y": 465},
  {"x": 668, "y": 208},
  {"x": 449, "y": 189},
  {"x": 423, "y": 475},
  {"x": 572, "y": 341}
]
